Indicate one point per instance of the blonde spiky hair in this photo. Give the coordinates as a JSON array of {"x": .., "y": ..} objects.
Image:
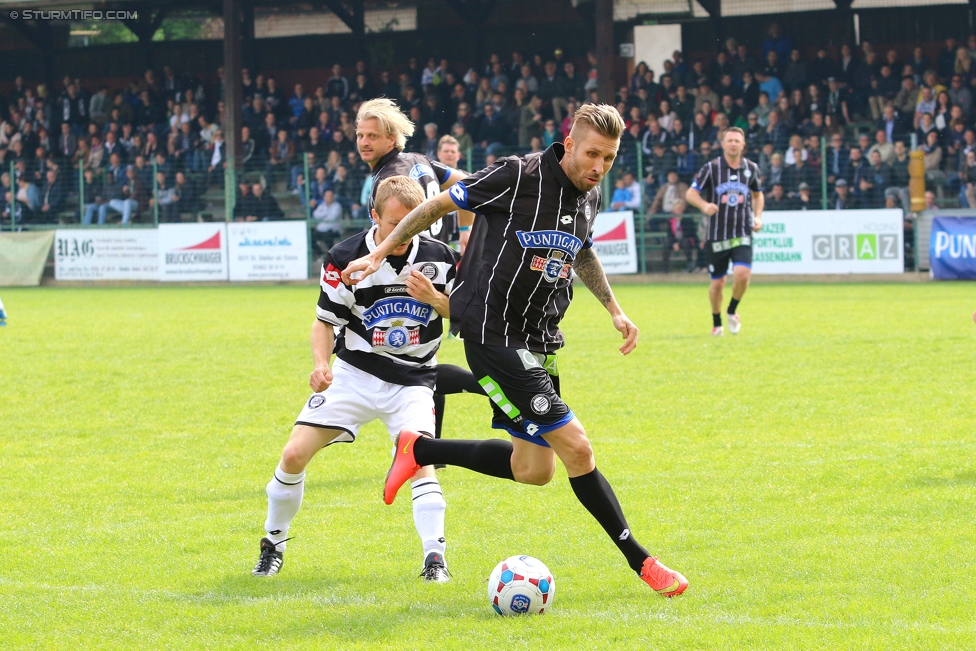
[
  {"x": 391, "y": 119},
  {"x": 602, "y": 118}
]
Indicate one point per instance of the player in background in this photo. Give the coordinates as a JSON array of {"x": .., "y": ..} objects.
[
  {"x": 389, "y": 330},
  {"x": 382, "y": 131},
  {"x": 3, "y": 314},
  {"x": 513, "y": 288},
  {"x": 728, "y": 192},
  {"x": 448, "y": 153}
]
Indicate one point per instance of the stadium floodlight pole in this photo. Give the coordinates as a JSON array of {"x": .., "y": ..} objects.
[{"x": 823, "y": 172}]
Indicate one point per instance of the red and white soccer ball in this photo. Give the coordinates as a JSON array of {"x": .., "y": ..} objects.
[{"x": 521, "y": 585}]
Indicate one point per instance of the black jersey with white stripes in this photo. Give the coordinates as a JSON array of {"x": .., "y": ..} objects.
[
  {"x": 384, "y": 331},
  {"x": 430, "y": 174},
  {"x": 730, "y": 188},
  {"x": 515, "y": 280}
]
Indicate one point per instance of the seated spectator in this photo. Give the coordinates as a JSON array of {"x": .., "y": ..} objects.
[
  {"x": 795, "y": 151},
  {"x": 842, "y": 199},
  {"x": 855, "y": 162},
  {"x": 218, "y": 159},
  {"x": 52, "y": 197},
  {"x": 187, "y": 191},
  {"x": 803, "y": 200},
  {"x": 262, "y": 206},
  {"x": 661, "y": 161},
  {"x": 627, "y": 195},
  {"x": 777, "y": 199},
  {"x": 281, "y": 153},
  {"x": 800, "y": 174},
  {"x": 127, "y": 196},
  {"x": 932, "y": 155},
  {"x": 777, "y": 174},
  {"x": 900, "y": 176},
  {"x": 967, "y": 193},
  {"x": 777, "y": 133},
  {"x": 328, "y": 214},
  {"x": 670, "y": 192},
  {"x": 94, "y": 196},
  {"x": 316, "y": 189},
  {"x": 686, "y": 163},
  {"x": 883, "y": 147},
  {"x": 168, "y": 200},
  {"x": 873, "y": 181}
]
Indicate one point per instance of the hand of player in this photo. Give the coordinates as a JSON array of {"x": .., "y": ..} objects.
[
  {"x": 756, "y": 223},
  {"x": 463, "y": 237},
  {"x": 320, "y": 379},
  {"x": 629, "y": 331},
  {"x": 420, "y": 287},
  {"x": 710, "y": 209},
  {"x": 356, "y": 270}
]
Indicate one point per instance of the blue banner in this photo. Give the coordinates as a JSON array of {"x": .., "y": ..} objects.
[{"x": 952, "y": 251}]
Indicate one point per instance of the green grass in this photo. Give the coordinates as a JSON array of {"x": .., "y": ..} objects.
[{"x": 814, "y": 478}]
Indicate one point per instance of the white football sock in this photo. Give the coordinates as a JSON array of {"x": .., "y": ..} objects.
[
  {"x": 428, "y": 514},
  {"x": 285, "y": 493}
]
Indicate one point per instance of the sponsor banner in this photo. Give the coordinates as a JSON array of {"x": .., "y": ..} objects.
[
  {"x": 952, "y": 248},
  {"x": 614, "y": 243},
  {"x": 193, "y": 251},
  {"x": 830, "y": 242},
  {"x": 23, "y": 256},
  {"x": 106, "y": 254},
  {"x": 268, "y": 251}
]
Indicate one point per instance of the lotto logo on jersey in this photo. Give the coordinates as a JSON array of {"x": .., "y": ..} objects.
[
  {"x": 459, "y": 194},
  {"x": 332, "y": 276}
]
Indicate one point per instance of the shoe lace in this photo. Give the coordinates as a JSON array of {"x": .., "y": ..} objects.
[
  {"x": 434, "y": 570},
  {"x": 268, "y": 555},
  {"x": 655, "y": 573}
]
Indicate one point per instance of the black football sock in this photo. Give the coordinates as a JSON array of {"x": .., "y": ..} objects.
[
  {"x": 439, "y": 403},
  {"x": 734, "y": 303},
  {"x": 454, "y": 379},
  {"x": 594, "y": 492},
  {"x": 717, "y": 320},
  {"x": 492, "y": 457}
]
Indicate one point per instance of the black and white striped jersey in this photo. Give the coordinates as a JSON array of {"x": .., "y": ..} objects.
[
  {"x": 515, "y": 280},
  {"x": 430, "y": 174},
  {"x": 385, "y": 331},
  {"x": 731, "y": 190}
]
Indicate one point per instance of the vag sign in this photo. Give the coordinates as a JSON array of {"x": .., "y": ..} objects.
[{"x": 860, "y": 246}]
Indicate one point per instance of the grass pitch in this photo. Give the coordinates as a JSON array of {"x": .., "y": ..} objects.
[{"x": 814, "y": 478}]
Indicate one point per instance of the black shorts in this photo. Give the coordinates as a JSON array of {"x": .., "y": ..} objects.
[
  {"x": 720, "y": 253},
  {"x": 523, "y": 387}
]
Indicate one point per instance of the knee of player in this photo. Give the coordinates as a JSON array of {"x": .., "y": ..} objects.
[
  {"x": 534, "y": 476},
  {"x": 293, "y": 458},
  {"x": 579, "y": 454}
]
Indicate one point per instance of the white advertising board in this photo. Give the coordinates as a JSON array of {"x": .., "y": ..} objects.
[
  {"x": 830, "y": 242},
  {"x": 193, "y": 252},
  {"x": 106, "y": 254},
  {"x": 268, "y": 251},
  {"x": 613, "y": 242}
]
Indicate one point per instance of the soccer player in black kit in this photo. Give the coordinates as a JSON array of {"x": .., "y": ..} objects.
[
  {"x": 513, "y": 288},
  {"x": 728, "y": 192},
  {"x": 381, "y": 134}
]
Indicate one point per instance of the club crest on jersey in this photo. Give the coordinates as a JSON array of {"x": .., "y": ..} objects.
[
  {"x": 732, "y": 193},
  {"x": 429, "y": 269},
  {"x": 552, "y": 268},
  {"x": 558, "y": 240},
  {"x": 588, "y": 212},
  {"x": 407, "y": 309},
  {"x": 420, "y": 170},
  {"x": 396, "y": 337},
  {"x": 316, "y": 401}
]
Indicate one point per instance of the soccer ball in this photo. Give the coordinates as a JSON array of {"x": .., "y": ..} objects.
[{"x": 521, "y": 585}]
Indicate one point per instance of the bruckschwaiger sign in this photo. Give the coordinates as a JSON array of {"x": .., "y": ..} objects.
[
  {"x": 193, "y": 251},
  {"x": 830, "y": 242},
  {"x": 614, "y": 242},
  {"x": 106, "y": 254},
  {"x": 952, "y": 248}
]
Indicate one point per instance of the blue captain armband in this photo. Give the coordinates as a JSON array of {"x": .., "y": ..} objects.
[{"x": 459, "y": 195}]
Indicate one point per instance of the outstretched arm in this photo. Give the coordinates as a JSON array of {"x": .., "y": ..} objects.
[
  {"x": 588, "y": 268},
  {"x": 416, "y": 221}
]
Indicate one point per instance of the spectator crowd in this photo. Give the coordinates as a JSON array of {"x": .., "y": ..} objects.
[{"x": 99, "y": 147}]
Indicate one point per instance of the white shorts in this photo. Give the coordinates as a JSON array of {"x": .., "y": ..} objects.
[{"x": 356, "y": 398}]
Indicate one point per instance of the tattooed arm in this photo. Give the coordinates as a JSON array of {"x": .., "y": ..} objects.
[
  {"x": 590, "y": 271},
  {"x": 416, "y": 221}
]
